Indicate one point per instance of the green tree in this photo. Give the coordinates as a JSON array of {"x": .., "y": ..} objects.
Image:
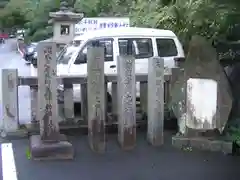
[
  {"x": 36, "y": 28},
  {"x": 92, "y": 8},
  {"x": 3, "y": 3},
  {"x": 210, "y": 18}
]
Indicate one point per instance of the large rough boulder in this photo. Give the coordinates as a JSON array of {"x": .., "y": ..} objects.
[
  {"x": 233, "y": 73},
  {"x": 229, "y": 56},
  {"x": 201, "y": 63}
]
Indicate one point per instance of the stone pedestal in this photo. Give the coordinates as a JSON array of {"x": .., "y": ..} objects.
[
  {"x": 50, "y": 144},
  {"x": 202, "y": 143},
  {"x": 42, "y": 150}
]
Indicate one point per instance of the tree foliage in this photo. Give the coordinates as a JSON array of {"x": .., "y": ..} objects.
[{"x": 210, "y": 18}]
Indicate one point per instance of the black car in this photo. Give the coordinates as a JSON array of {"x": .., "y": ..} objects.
[
  {"x": 34, "y": 59},
  {"x": 2, "y": 40},
  {"x": 29, "y": 52},
  {"x": 12, "y": 36}
]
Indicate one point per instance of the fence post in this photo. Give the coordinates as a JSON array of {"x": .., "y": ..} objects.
[
  {"x": 143, "y": 97},
  {"x": 96, "y": 98},
  {"x": 49, "y": 144},
  {"x": 84, "y": 102},
  {"x": 126, "y": 102},
  {"x": 156, "y": 101},
  {"x": 114, "y": 100},
  {"x": 68, "y": 101},
  {"x": 34, "y": 92},
  {"x": 10, "y": 100}
]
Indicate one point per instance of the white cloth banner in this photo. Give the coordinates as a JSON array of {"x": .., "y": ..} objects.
[{"x": 91, "y": 24}]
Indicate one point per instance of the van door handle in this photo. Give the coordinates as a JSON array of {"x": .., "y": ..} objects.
[{"x": 112, "y": 66}]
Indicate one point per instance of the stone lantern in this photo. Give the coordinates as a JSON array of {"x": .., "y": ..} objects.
[{"x": 64, "y": 24}]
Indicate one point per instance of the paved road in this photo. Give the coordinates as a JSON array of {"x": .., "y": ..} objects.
[{"x": 143, "y": 163}]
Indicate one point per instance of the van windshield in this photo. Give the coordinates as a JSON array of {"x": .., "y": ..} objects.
[{"x": 66, "y": 54}]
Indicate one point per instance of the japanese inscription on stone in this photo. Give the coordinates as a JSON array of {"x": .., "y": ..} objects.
[
  {"x": 95, "y": 82},
  {"x": 96, "y": 98},
  {"x": 155, "y": 100},
  {"x": 128, "y": 110},
  {"x": 9, "y": 92},
  {"x": 47, "y": 93},
  {"x": 159, "y": 86},
  {"x": 10, "y": 82}
]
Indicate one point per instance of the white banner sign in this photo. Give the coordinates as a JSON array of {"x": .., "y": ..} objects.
[{"x": 91, "y": 24}]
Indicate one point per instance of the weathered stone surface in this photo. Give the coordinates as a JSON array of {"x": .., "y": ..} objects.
[
  {"x": 96, "y": 97},
  {"x": 143, "y": 97},
  {"x": 201, "y": 143},
  {"x": 201, "y": 111},
  {"x": 68, "y": 102},
  {"x": 34, "y": 94},
  {"x": 49, "y": 144},
  {"x": 227, "y": 147},
  {"x": 177, "y": 97},
  {"x": 156, "y": 101},
  {"x": 41, "y": 150},
  {"x": 201, "y": 62},
  {"x": 84, "y": 102},
  {"x": 216, "y": 146},
  {"x": 126, "y": 102},
  {"x": 114, "y": 100},
  {"x": 18, "y": 134},
  {"x": 233, "y": 73},
  {"x": 9, "y": 92},
  {"x": 180, "y": 142},
  {"x": 47, "y": 91}
]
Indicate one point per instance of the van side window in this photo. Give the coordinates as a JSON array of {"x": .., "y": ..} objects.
[
  {"x": 108, "y": 50},
  {"x": 166, "y": 47},
  {"x": 139, "y": 47}
]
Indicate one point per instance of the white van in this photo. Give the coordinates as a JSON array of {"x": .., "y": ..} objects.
[{"x": 145, "y": 42}]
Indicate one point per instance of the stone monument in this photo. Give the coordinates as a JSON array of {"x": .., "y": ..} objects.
[
  {"x": 156, "y": 99},
  {"x": 50, "y": 144},
  {"x": 229, "y": 57},
  {"x": 201, "y": 98},
  {"x": 64, "y": 24},
  {"x": 96, "y": 98},
  {"x": 126, "y": 97}
]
